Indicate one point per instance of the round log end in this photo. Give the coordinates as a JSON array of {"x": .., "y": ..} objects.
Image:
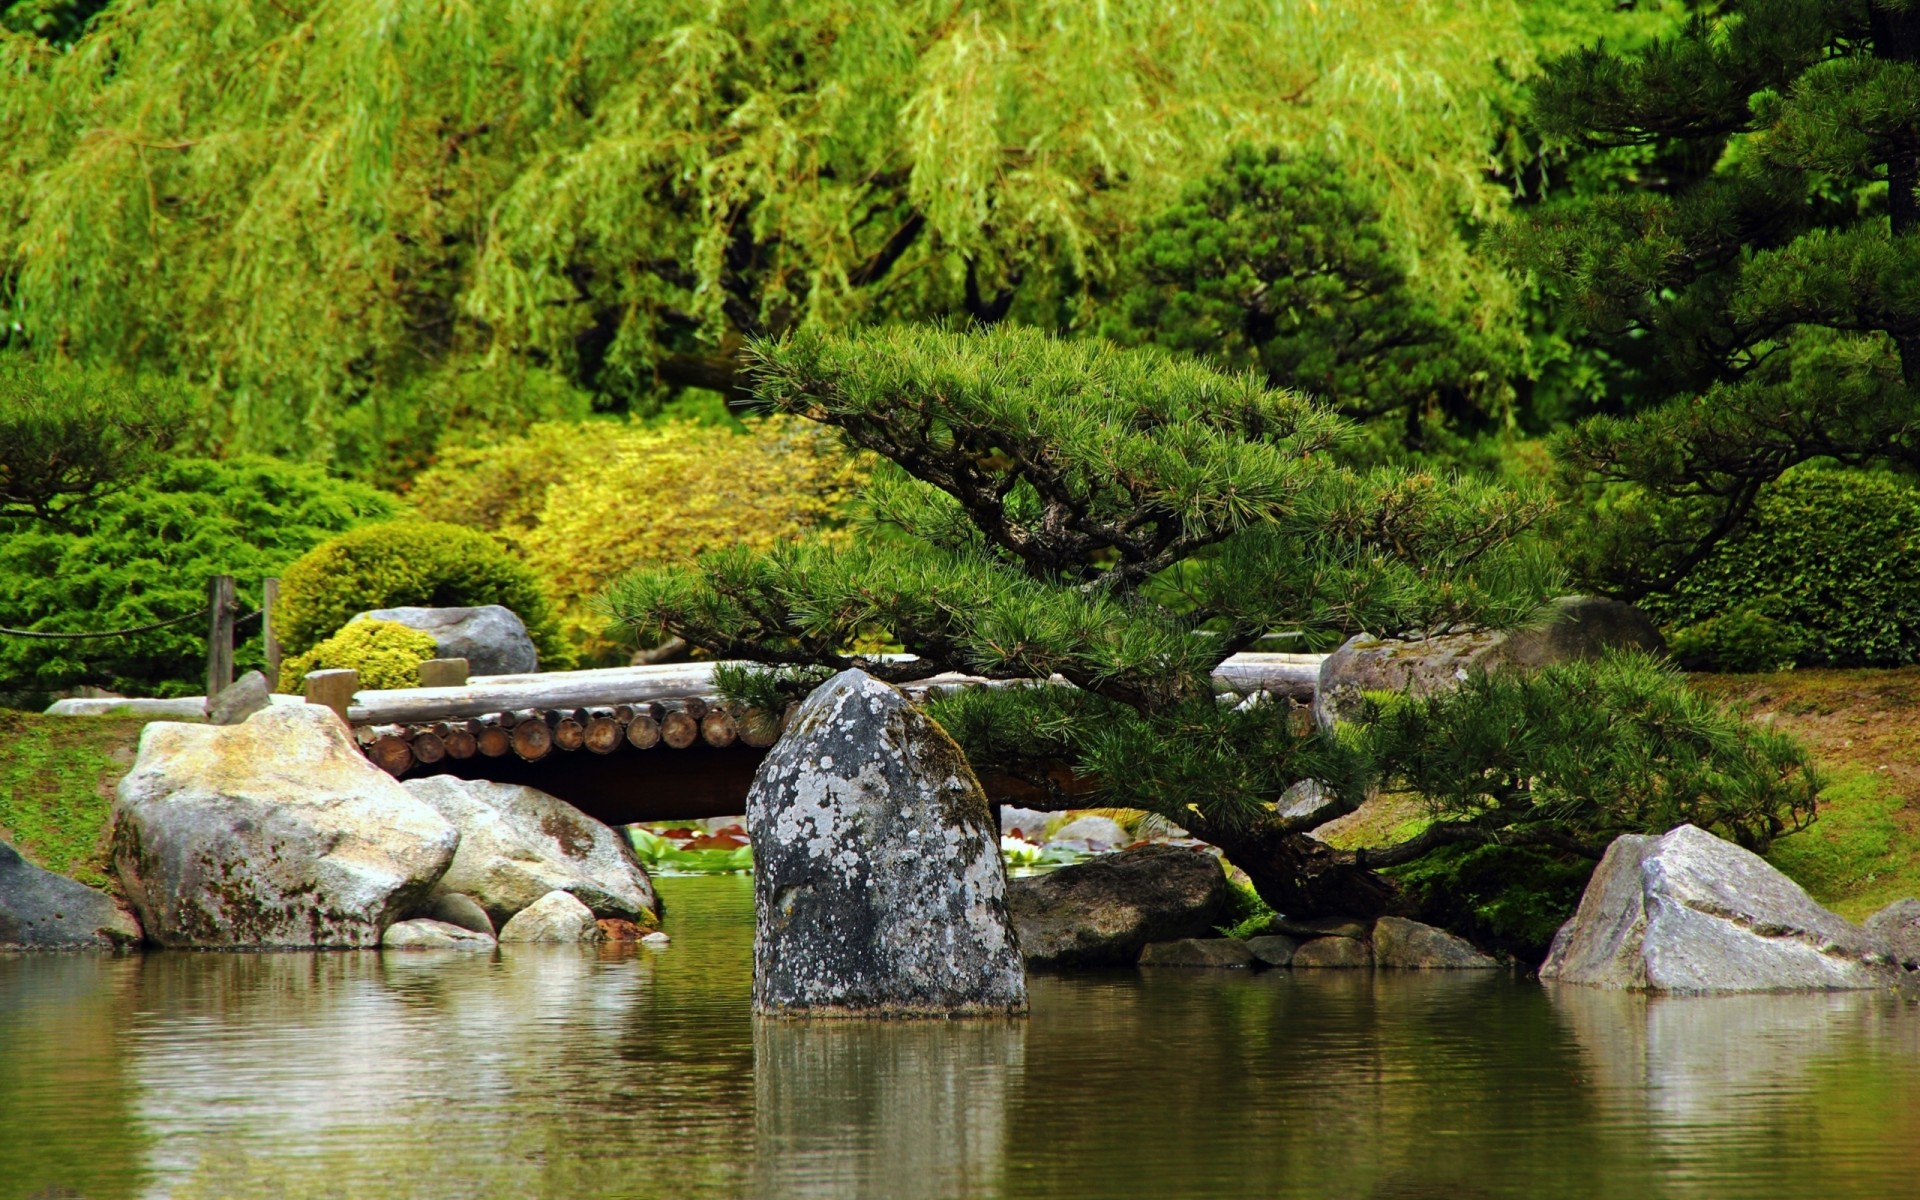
[
  {"x": 460, "y": 744},
  {"x": 494, "y": 741},
  {"x": 569, "y": 734},
  {"x": 391, "y": 754},
  {"x": 758, "y": 729},
  {"x": 603, "y": 735},
  {"x": 679, "y": 730},
  {"x": 429, "y": 747},
  {"x": 717, "y": 729},
  {"x": 643, "y": 732},
  {"x": 532, "y": 740}
]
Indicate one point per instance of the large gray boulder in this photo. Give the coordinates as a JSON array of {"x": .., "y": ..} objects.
[
  {"x": 878, "y": 886},
  {"x": 490, "y": 637},
  {"x": 1102, "y": 912},
  {"x": 273, "y": 832},
  {"x": 40, "y": 910},
  {"x": 1899, "y": 924},
  {"x": 1570, "y": 628},
  {"x": 1689, "y": 912},
  {"x": 518, "y": 843}
]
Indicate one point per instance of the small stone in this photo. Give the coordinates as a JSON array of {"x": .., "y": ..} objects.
[
  {"x": 1333, "y": 952},
  {"x": 1899, "y": 924},
  {"x": 1318, "y": 927},
  {"x": 458, "y": 908},
  {"x": 554, "y": 917},
  {"x": 1197, "y": 952},
  {"x": 1309, "y": 803},
  {"x": 239, "y": 700},
  {"x": 1273, "y": 949},
  {"x": 423, "y": 933},
  {"x": 1409, "y": 945},
  {"x": 656, "y": 939}
]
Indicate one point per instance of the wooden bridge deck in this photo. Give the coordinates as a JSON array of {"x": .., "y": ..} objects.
[{"x": 647, "y": 743}]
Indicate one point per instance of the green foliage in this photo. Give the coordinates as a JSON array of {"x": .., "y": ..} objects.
[
  {"x": 410, "y": 562},
  {"x": 1248, "y": 913},
  {"x": 1280, "y": 262},
  {"x": 1756, "y": 284},
  {"x": 69, "y": 437},
  {"x": 1502, "y": 898},
  {"x": 582, "y": 503},
  {"x": 316, "y": 207},
  {"x": 56, "y": 789},
  {"x": 1083, "y": 511},
  {"x": 662, "y": 856},
  {"x": 1576, "y": 754},
  {"x": 1827, "y": 573},
  {"x": 56, "y": 21},
  {"x": 144, "y": 555},
  {"x": 386, "y": 653}
]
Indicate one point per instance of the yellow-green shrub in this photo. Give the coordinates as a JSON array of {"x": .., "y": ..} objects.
[
  {"x": 584, "y": 503},
  {"x": 397, "y": 563},
  {"x": 386, "y": 653}
]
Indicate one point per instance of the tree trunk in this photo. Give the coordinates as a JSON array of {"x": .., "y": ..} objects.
[{"x": 1896, "y": 37}]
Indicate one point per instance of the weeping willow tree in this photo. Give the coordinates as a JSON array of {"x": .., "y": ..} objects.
[{"x": 314, "y": 208}]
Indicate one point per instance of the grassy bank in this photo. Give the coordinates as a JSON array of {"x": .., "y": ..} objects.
[{"x": 57, "y": 776}]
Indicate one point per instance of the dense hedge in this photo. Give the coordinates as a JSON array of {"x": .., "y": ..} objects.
[
  {"x": 144, "y": 554},
  {"x": 386, "y": 653},
  {"x": 1828, "y": 574},
  {"x": 399, "y": 563}
]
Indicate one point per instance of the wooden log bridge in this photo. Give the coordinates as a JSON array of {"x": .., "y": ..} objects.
[{"x": 649, "y": 743}]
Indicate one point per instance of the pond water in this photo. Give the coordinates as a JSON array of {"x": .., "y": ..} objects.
[{"x": 562, "y": 1073}]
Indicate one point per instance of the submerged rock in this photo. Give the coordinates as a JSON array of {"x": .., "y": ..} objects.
[
  {"x": 1197, "y": 952},
  {"x": 1333, "y": 952},
  {"x": 1409, "y": 945},
  {"x": 1273, "y": 949},
  {"x": 1899, "y": 924},
  {"x": 1690, "y": 912},
  {"x": 40, "y": 910},
  {"x": 492, "y": 638},
  {"x": 273, "y": 832},
  {"x": 1571, "y": 628},
  {"x": 517, "y": 844},
  {"x": 1101, "y": 913},
  {"x": 554, "y": 917},
  {"x": 424, "y": 933},
  {"x": 878, "y": 886}
]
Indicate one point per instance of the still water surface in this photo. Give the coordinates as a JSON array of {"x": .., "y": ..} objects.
[{"x": 563, "y": 1074}]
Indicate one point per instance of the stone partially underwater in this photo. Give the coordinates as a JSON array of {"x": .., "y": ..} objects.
[{"x": 878, "y": 884}]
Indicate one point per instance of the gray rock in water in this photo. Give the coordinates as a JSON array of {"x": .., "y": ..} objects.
[
  {"x": 1571, "y": 628},
  {"x": 273, "y": 832},
  {"x": 554, "y": 917},
  {"x": 1689, "y": 912},
  {"x": 1273, "y": 949},
  {"x": 458, "y": 908},
  {"x": 239, "y": 700},
  {"x": 1409, "y": 945},
  {"x": 517, "y": 844},
  {"x": 1899, "y": 924},
  {"x": 1197, "y": 952},
  {"x": 878, "y": 886},
  {"x": 1333, "y": 952},
  {"x": 40, "y": 910},
  {"x": 492, "y": 638},
  {"x": 1101, "y": 913},
  {"x": 424, "y": 933}
]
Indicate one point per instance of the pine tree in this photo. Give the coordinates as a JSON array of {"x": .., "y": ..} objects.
[
  {"x": 1763, "y": 283},
  {"x": 1124, "y": 521}
]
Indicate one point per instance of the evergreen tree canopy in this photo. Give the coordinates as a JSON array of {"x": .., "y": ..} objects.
[
  {"x": 1118, "y": 518},
  {"x": 69, "y": 437},
  {"x": 1764, "y": 285},
  {"x": 308, "y": 206}
]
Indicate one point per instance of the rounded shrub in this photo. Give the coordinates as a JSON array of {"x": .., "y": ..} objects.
[
  {"x": 386, "y": 653},
  {"x": 398, "y": 563},
  {"x": 143, "y": 554},
  {"x": 1826, "y": 574}
]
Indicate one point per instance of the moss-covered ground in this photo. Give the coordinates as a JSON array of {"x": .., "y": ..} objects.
[{"x": 57, "y": 776}]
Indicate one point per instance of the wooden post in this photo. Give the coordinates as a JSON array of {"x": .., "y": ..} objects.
[
  {"x": 220, "y": 634},
  {"x": 443, "y": 672},
  {"x": 334, "y": 689},
  {"x": 270, "y": 636}
]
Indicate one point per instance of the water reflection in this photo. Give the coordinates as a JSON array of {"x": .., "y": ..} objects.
[{"x": 897, "y": 1110}]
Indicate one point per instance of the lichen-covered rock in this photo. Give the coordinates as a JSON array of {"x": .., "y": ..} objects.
[
  {"x": 492, "y": 638},
  {"x": 554, "y": 917},
  {"x": 273, "y": 832},
  {"x": 424, "y": 933},
  {"x": 239, "y": 700},
  {"x": 1690, "y": 912},
  {"x": 878, "y": 886},
  {"x": 1409, "y": 945},
  {"x": 1102, "y": 912},
  {"x": 1899, "y": 924},
  {"x": 458, "y": 908},
  {"x": 40, "y": 910},
  {"x": 1333, "y": 952},
  {"x": 1197, "y": 952},
  {"x": 518, "y": 843},
  {"x": 1273, "y": 949},
  {"x": 1571, "y": 628}
]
